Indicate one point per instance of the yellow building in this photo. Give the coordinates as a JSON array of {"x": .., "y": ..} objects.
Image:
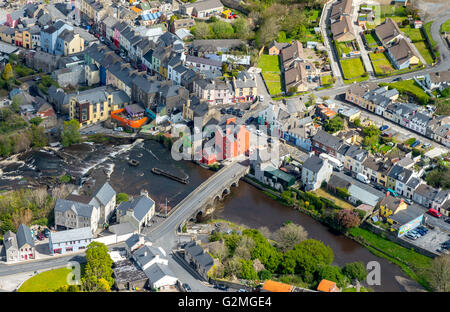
[
  {"x": 7, "y": 34},
  {"x": 73, "y": 43},
  {"x": 390, "y": 206},
  {"x": 245, "y": 88},
  {"x": 95, "y": 105}
]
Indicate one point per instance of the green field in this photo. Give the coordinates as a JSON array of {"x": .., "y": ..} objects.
[
  {"x": 270, "y": 67},
  {"x": 352, "y": 68},
  {"x": 46, "y": 281},
  {"x": 446, "y": 26},
  {"x": 412, "y": 33},
  {"x": 326, "y": 80},
  {"x": 410, "y": 87},
  {"x": 416, "y": 264},
  {"x": 381, "y": 64},
  {"x": 269, "y": 63},
  {"x": 370, "y": 39},
  {"x": 424, "y": 51}
]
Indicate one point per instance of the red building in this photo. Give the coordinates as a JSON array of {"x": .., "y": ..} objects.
[{"x": 234, "y": 142}]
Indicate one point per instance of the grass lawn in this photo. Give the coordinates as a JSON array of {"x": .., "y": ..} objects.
[
  {"x": 424, "y": 51},
  {"x": 385, "y": 148},
  {"x": 322, "y": 193},
  {"x": 417, "y": 264},
  {"x": 269, "y": 63},
  {"x": 446, "y": 26},
  {"x": 410, "y": 87},
  {"x": 326, "y": 80},
  {"x": 413, "y": 33},
  {"x": 381, "y": 63},
  {"x": 342, "y": 48},
  {"x": 352, "y": 68},
  {"x": 270, "y": 66},
  {"x": 370, "y": 39},
  {"x": 46, "y": 281},
  {"x": 359, "y": 79}
]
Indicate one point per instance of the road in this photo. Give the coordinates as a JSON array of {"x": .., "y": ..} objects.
[{"x": 332, "y": 56}]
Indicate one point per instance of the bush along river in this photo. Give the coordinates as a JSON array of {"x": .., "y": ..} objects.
[{"x": 93, "y": 164}]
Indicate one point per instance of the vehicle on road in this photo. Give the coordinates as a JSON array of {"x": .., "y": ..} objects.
[
  {"x": 187, "y": 287},
  {"x": 426, "y": 145},
  {"x": 362, "y": 178},
  {"x": 38, "y": 78},
  {"x": 396, "y": 79},
  {"x": 221, "y": 287},
  {"x": 393, "y": 193},
  {"x": 261, "y": 98},
  {"x": 434, "y": 213},
  {"x": 337, "y": 165},
  {"x": 415, "y": 144},
  {"x": 120, "y": 129},
  {"x": 383, "y": 128}
]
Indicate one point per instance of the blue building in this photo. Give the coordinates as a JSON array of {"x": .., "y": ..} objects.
[
  {"x": 49, "y": 36},
  {"x": 70, "y": 240}
]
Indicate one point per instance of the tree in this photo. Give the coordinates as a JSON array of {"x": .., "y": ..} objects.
[
  {"x": 334, "y": 125},
  {"x": 309, "y": 255},
  {"x": 241, "y": 28},
  {"x": 8, "y": 72},
  {"x": 244, "y": 246},
  {"x": 355, "y": 270},
  {"x": 122, "y": 197},
  {"x": 439, "y": 273},
  {"x": 263, "y": 250},
  {"x": 70, "y": 134},
  {"x": 357, "y": 122},
  {"x": 332, "y": 273},
  {"x": 264, "y": 275},
  {"x": 16, "y": 102},
  {"x": 233, "y": 267},
  {"x": 348, "y": 218},
  {"x": 289, "y": 235},
  {"x": 268, "y": 31},
  {"x": 36, "y": 121},
  {"x": 222, "y": 30},
  {"x": 98, "y": 270},
  {"x": 38, "y": 137},
  {"x": 247, "y": 270},
  {"x": 202, "y": 30}
]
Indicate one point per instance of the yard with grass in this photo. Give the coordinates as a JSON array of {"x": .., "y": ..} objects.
[
  {"x": 415, "y": 34},
  {"x": 424, "y": 51},
  {"x": 270, "y": 67},
  {"x": 46, "y": 281},
  {"x": 381, "y": 64},
  {"x": 326, "y": 80},
  {"x": 411, "y": 88},
  {"x": 371, "y": 40},
  {"x": 343, "y": 48},
  {"x": 341, "y": 203},
  {"x": 411, "y": 262},
  {"x": 352, "y": 68},
  {"x": 445, "y": 27}
]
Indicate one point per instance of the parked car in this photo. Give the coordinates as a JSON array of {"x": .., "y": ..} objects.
[
  {"x": 249, "y": 120},
  {"x": 40, "y": 236},
  {"x": 240, "y": 114},
  {"x": 47, "y": 233},
  {"x": 415, "y": 144},
  {"x": 38, "y": 78},
  {"x": 120, "y": 129},
  {"x": 261, "y": 98},
  {"x": 434, "y": 213},
  {"x": 448, "y": 220},
  {"x": 187, "y": 287},
  {"x": 235, "y": 112},
  {"x": 384, "y": 127},
  {"x": 408, "y": 201},
  {"x": 223, "y": 111},
  {"x": 221, "y": 287},
  {"x": 426, "y": 145},
  {"x": 229, "y": 111}
]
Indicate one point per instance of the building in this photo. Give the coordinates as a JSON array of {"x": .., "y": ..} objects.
[
  {"x": 232, "y": 142},
  {"x": 203, "y": 64},
  {"x": 323, "y": 142},
  {"x": 137, "y": 211},
  {"x": 200, "y": 260},
  {"x": 315, "y": 170},
  {"x": 327, "y": 286},
  {"x": 437, "y": 80},
  {"x": 128, "y": 276},
  {"x": 19, "y": 246},
  {"x": 213, "y": 91},
  {"x": 277, "y": 178},
  {"x": 342, "y": 29},
  {"x": 72, "y": 215},
  {"x": 68, "y": 43},
  {"x": 354, "y": 158},
  {"x": 182, "y": 23},
  {"x": 398, "y": 177},
  {"x": 104, "y": 199},
  {"x": 206, "y": 46},
  {"x": 339, "y": 9},
  {"x": 70, "y": 240},
  {"x": 402, "y": 55},
  {"x": 95, "y": 105},
  {"x": 245, "y": 87},
  {"x": 202, "y": 9},
  {"x": 275, "y": 47},
  {"x": 50, "y": 34},
  {"x": 388, "y": 32},
  {"x": 274, "y": 286}
]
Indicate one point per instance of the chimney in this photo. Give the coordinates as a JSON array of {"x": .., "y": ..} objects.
[
  {"x": 145, "y": 254},
  {"x": 387, "y": 194}
]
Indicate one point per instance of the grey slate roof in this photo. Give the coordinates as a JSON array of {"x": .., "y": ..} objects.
[
  {"x": 132, "y": 240},
  {"x": 10, "y": 240},
  {"x": 328, "y": 140},
  {"x": 197, "y": 252},
  {"x": 80, "y": 209},
  {"x": 158, "y": 271},
  {"x": 140, "y": 206},
  {"x": 313, "y": 163},
  {"x": 104, "y": 195},
  {"x": 201, "y": 60},
  {"x": 405, "y": 216},
  {"x": 71, "y": 235},
  {"x": 24, "y": 236},
  {"x": 122, "y": 228},
  {"x": 146, "y": 253}
]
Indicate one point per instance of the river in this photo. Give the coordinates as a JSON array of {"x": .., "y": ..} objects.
[{"x": 245, "y": 204}]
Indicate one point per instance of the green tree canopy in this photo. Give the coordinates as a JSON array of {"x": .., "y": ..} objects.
[
  {"x": 8, "y": 72},
  {"x": 334, "y": 125},
  {"x": 355, "y": 270},
  {"x": 71, "y": 134},
  {"x": 98, "y": 270}
]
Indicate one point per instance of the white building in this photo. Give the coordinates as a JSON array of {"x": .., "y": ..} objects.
[{"x": 315, "y": 171}]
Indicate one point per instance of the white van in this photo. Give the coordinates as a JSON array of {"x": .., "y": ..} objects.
[{"x": 362, "y": 178}]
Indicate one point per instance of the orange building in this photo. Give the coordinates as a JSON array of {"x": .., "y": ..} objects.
[
  {"x": 327, "y": 286},
  {"x": 234, "y": 142},
  {"x": 274, "y": 286}
]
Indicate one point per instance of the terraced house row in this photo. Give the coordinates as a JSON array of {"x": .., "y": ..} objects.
[{"x": 383, "y": 102}]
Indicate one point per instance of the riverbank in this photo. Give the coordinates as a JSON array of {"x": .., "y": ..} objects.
[{"x": 412, "y": 263}]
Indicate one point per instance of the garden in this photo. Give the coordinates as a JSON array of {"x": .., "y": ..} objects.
[
  {"x": 409, "y": 87},
  {"x": 48, "y": 281},
  {"x": 381, "y": 64},
  {"x": 352, "y": 68},
  {"x": 271, "y": 72}
]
